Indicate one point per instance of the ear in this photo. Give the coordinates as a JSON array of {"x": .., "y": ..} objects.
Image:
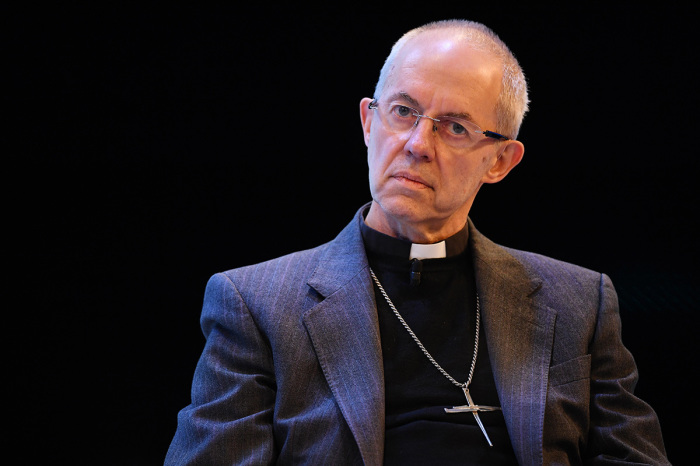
[
  {"x": 509, "y": 155},
  {"x": 366, "y": 115}
]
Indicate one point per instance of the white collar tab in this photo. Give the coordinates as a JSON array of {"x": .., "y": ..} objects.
[{"x": 428, "y": 251}]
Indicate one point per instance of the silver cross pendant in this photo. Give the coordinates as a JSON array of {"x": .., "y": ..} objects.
[{"x": 470, "y": 407}]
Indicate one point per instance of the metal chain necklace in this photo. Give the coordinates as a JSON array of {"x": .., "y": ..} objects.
[{"x": 470, "y": 407}]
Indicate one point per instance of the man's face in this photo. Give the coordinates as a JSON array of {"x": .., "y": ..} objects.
[{"x": 423, "y": 188}]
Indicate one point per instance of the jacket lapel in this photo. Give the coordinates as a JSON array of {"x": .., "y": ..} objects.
[
  {"x": 520, "y": 336},
  {"x": 344, "y": 331}
]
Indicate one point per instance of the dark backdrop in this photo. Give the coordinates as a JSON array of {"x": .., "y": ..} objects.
[{"x": 150, "y": 148}]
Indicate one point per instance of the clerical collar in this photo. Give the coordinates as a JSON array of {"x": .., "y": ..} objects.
[{"x": 380, "y": 243}]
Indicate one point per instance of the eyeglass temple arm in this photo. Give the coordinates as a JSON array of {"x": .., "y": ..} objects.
[{"x": 495, "y": 135}]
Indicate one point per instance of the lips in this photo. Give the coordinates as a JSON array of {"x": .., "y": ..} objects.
[{"x": 410, "y": 179}]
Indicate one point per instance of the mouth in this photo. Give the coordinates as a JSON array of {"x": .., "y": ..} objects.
[{"x": 411, "y": 180}]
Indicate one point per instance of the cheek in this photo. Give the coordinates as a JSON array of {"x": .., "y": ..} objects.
[
  {"x": 467, "y": 177},
  {"x": 377, "y": 169},
  {"x": 477, "y": 166},
  {"x": 381, "y": 151},
  {"x": 374, "y": 165}
]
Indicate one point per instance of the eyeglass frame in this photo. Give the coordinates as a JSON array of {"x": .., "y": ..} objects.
[{"x": 374, "y": 104}]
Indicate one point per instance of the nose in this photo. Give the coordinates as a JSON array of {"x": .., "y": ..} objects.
[{"x": 421, "y": 139}]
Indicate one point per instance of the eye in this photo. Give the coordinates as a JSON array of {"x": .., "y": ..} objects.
[
  {"x": 455, "y": 128},
  {"x": 403, "y": 111}
]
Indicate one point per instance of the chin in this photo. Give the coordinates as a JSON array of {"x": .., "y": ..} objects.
[{"x": 404, "y": 209}]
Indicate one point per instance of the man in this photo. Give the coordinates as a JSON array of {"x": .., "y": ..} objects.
[{"x": 411, "y": 338}]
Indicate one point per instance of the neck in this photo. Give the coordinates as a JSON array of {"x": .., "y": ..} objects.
[{"x": 423, "y": 232}]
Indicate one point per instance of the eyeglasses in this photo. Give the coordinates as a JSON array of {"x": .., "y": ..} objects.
[{"x": 455, "y": 132}]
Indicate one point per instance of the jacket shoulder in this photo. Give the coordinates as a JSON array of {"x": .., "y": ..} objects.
[
  {"x": 576, "y": 292},
  {"x": 294, "y": 267},
  {"x": 549, "y": 268}
]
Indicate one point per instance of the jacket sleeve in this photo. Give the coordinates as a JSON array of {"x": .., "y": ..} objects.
[
  {"x": 229, "y": 420},
  {"x": 624, "y": 429}
]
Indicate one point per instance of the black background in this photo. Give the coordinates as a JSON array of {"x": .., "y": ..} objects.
[{"x": 149, "y": 148}]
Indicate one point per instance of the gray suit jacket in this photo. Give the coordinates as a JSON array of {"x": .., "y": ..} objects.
[{"x": 292, "y": 367}]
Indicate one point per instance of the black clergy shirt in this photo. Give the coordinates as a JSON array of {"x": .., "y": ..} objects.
[{"x": 441, "y": 311}]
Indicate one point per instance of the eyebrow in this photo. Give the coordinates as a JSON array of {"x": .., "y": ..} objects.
[{"x": 406, "y": 97}]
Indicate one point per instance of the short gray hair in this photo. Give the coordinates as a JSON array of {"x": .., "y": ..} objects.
[{"x": 512, "y": 101}]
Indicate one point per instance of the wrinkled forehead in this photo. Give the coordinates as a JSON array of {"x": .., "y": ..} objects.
[{"x": 448, "y": 66}]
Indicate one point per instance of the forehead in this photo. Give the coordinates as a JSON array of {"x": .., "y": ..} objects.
[{"x": 445, "y": 71}]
